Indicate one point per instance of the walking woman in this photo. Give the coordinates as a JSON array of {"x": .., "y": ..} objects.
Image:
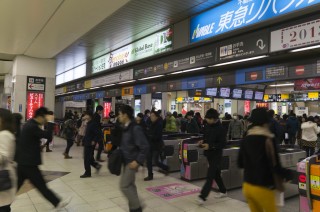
[
  {"x": 7, "y": 152},
  {"x": 309, "y": 136},
  {"x": 258, "y": 157}
]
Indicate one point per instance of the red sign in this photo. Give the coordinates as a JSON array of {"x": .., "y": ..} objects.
[
  {"x": 34, "y": 101},
  {"x": 247, "y": 107},
  {"x": 299, "y": 70},
  {"x": 302, "y": 178},
  {"x": 107, "y": 109},
  {"x": 307, "y": 84},
  {"x": 254, "y": 76}
]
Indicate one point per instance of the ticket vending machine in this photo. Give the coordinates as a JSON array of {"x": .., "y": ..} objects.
[{"x": 309, "y": 184}]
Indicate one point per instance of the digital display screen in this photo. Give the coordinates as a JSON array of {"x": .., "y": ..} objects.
[
  {"x": 237, "y": 93},
  {"x": 211, "y": 91},
  {"x": 258, "y": 95},
  {"x": 248, "y": 94},
  {"x": 225, "y": 92}
]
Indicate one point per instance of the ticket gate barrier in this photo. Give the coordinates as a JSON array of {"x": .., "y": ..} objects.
[
  {"x": 171, "y": 149},
  {"x": 309, "y": 184},
  {"x": 107, "y": 138},
  {"x": 289, "y": 157},
  {"x": 194, "y": 164}
]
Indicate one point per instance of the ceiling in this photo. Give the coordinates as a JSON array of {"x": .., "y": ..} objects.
[{"x": 74, "y": 31}]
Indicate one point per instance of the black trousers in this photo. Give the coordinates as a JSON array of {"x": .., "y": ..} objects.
[
  {"x": 214, "y": 173},
  {"x": 5, "y": 208},
  {"x": 153, "y": 156},
  {"x": 89, "y": 159},
  {"x": 33, "y": 174},
  {"x": 309, "y": 151},
  {"x": 69, "y": 145},
  {"x": 100, "y": 149}
]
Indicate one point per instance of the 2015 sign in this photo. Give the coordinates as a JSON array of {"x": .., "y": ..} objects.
[{"x": 300, "y": 35}]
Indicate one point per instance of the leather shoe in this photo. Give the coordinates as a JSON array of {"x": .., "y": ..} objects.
[
  {"x": 98, "y": 167},
  {"x": 85, "y": 176},
  {"x": 149, "y": 178},
  {"x": 100, "y": 160}
]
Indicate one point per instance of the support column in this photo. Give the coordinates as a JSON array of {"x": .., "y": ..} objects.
[{"x": 24, "y": 66}]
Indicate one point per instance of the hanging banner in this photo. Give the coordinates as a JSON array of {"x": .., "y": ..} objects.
[
  {"x": 146, "y": 47},
  {"x": 307, "y": 84},
  {"x": 34, "y": 101},
  {"x": 106, "y": 109},
  {"x": 238, "y": 14}
]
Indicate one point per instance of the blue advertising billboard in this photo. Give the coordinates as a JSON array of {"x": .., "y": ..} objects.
[{"x": 241, "y": 13}]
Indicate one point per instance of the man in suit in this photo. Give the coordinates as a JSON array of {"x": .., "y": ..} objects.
[{"x": 97, "y": 119}]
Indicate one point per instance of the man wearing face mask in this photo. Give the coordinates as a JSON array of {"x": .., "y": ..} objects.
[
  {"x": 214, "y": 141},
  {"x": 235, "y": 130}
]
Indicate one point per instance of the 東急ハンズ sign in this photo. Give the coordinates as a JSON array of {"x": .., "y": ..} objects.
[{"x": 36, "y": 83}]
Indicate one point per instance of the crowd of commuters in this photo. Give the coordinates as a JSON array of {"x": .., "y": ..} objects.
[{"x": 140, "y": 141}]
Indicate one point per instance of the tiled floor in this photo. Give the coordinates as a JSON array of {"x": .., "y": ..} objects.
[{"x": 101, "y": 192}]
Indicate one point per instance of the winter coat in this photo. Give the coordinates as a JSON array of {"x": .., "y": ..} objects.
[
  {"x": 7, "y": 151},
  {"x": 235, "y": 129},
  {"x": 215, "y": 136},
  {"x": 82, "y": 129},
  {"x": 310, "y": 131},
  {"x": 155, "y": 135},
  {"x": 28, "y": 146},
  {"x": 192, "y": 126},
  {"x": 292, "y": 125},
  {"x": 171, "y": 125},
  {"x": 134, "y": 145}
]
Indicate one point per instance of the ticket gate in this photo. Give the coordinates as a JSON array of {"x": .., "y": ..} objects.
[
  {"x": 289, "y": 157},
  {"x": 107, "y": 137},
  {"x": 309, "y": 184}
]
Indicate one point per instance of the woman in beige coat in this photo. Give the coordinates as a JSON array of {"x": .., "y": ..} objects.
[{"x": 7, "y": 151}]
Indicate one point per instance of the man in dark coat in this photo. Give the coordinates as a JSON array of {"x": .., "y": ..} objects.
[
  {"x": 97, "y": 119},
  {"x": 29, "y": 155},
  {"x": 213, "y": 144}
]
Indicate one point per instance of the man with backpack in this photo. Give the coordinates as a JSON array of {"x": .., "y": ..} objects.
[{"x": 134, "y": 147}]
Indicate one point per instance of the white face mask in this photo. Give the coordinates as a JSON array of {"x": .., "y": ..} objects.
[{"x": 235, "y": 117}]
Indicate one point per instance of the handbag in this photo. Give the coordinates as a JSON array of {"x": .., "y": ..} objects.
[
  {"x": 5, "y": 181},
  {"x": 115, "y": 162}
]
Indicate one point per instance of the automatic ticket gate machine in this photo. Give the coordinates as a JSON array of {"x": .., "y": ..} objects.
[
  {"x": 309, "y": 184},
  {"x": 171, "y": 149}
]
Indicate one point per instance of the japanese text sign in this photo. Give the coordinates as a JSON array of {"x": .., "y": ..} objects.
[
  {"x": 36, "y": 83},
  {"x": 34, "y": 101},
  {"x": 241, "y": 13}
]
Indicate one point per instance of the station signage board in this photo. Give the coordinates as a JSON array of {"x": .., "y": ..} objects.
[
  {"x": 35, "y": 100},
  {"x": 193, "y": 58},
  {"x": 276, "y": 72},
  {"x": 112, "y": 78},
  {"x": 113, "y": 93},
  {"x": 307, "y": 84},
  {"x": 154, "y": 88},
  {"x": 146, "y": 47},
  {"x": 250, "y": 45},
  {"x": 296, "y": 36},
  {"x": 127, "y": 91},
  {"x": 235, "y": 15},
  {"x": 140, "y": 89},
  {"x": 36, "y": 83}
]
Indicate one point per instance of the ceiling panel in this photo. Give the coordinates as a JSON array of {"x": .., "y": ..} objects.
[
  {"x": 21, "y": 21},
  {"x": 133, "y": 21},
  {"x": 73, "y": 19}
]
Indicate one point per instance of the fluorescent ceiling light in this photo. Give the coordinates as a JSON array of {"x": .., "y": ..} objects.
[
  {"x": 94, "y": 88},
  {"x": 282, "y": 85},
  {"x": 188, "y": 70},
  {"x": 108, "y": 85},
  {"x": 305, "y": 48},
  {"x": 157, "y": 76},
  {"x": 126, "y": 82},
  {"x": 240, "y": 61}
]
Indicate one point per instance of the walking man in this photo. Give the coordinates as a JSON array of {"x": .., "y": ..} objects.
[
  {"x": 134, "y": 147},
  {"x": 29, "y": 155}
]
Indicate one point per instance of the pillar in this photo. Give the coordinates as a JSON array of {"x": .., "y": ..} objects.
[{"x": 24, "y": 66}]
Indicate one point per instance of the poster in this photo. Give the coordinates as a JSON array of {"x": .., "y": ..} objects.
[
  {"x": 175, "y": 190},
  {"x": 34, "y": 101}
]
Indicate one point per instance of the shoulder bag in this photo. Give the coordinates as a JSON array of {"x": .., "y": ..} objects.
[{"x": 5, "y": 181}]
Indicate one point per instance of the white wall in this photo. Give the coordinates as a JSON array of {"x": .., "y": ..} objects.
[{"x": 26, "y": 66}]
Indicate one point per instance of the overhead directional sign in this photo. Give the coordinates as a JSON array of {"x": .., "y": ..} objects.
[
  {"x": 250, "y": 45},
  {"x": 36, "y": 83}
]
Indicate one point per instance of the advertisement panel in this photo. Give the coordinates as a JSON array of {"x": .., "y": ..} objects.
[
  {"x": 238, "y": 14},
  {"x": 34, "y": 101},
  {"x": 307, "y": 84},
  {"x": 112, "y": 78},
  {"x": 146, "y": 47},
  {"x": 295, "y": 36}
]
